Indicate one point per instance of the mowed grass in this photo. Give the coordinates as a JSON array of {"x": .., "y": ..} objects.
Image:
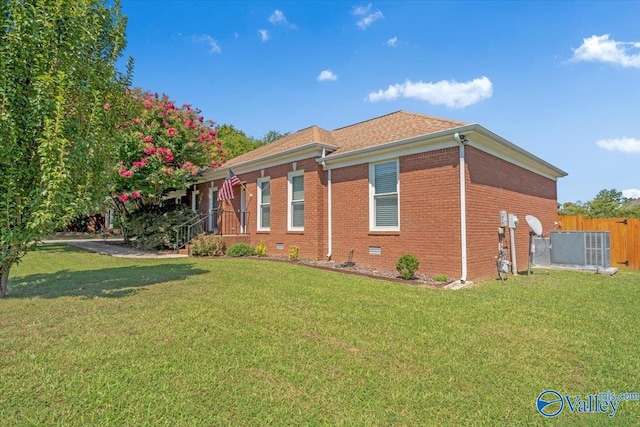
[{"x": 87, "y": 339}]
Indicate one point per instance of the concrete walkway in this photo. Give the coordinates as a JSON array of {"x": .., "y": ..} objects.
[{"x": 102, "y": 247}]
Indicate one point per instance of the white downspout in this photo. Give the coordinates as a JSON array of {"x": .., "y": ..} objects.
[
  {"x": 463, "y": 207},
  {"x": 329, "y": 224}
]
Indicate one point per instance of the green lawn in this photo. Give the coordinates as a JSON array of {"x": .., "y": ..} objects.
[{"x": 87, "y": 339}]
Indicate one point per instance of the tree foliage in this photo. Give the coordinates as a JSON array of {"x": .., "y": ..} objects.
[
  {"x": 161, "y": 148},
  {"x": 273, "y": 135},
  {"x": 606, "y": 204},
  {"x": 57, "y": 75},
  {"x": 235, "y": 142}
]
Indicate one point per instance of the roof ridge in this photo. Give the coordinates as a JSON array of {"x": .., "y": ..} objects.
[
  {"x": 432, "y": 117},
  {"x": 368, "y": 120}
]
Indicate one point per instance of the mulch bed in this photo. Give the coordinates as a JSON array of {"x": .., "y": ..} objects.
[{"x": 420, "y": 279}]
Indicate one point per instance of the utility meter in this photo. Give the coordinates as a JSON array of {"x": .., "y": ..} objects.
[
  {"x": 503, "y": 219},
  {"x": 513, "y": 221}
]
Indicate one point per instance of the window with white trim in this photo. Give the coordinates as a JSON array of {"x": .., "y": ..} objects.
[
  {"x": 296, "y": 201},
  {"x": 384, "y": 200},
  {"x": 195, "y": 200},
  {"x": 264, "y": 204}
]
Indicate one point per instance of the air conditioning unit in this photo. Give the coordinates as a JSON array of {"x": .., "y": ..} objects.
[{"x": 581, "y": 248}]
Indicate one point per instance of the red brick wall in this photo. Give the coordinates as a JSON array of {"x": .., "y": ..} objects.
[
  {"x": 429, "y": 206},
  {"x": 312, "y": 241},
  {"x": 494, "y": 185},
  {"x": 429, "y": 220}
]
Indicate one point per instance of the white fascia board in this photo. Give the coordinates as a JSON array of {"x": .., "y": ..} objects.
[{"x": 313, "y": 149}]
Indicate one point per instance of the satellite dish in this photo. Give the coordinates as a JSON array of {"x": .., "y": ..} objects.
[{"x": 534, "y": 224}]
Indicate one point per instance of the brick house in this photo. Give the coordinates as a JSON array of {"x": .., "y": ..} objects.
[{"x": 396, "y": 184}]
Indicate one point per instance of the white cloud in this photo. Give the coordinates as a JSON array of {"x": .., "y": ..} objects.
[
  {"x": 264, "y": 35},
  {"x": 367, "y": 17},
  {"x": 278, "y": 18},
  {"x": 445, "y": 92},
  {"x": 393, "y": 41},
  {"x": 626, "y": 145},
  {"x": 631, "y": 193},
  {"x": 326, "y": 75},
  {"x": 209, "y": 41},
  {"x": 603, "y": 49}
]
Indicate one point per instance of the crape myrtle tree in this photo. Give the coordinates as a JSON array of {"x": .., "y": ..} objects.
[
  {"x": 57, "y": 74},
  {"x": 161, "y": 148}
]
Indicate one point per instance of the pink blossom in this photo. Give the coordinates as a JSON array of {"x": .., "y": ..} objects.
[
  {"x": 136, "y": 121},
  {"x": 147, "y": 103},
  {"x": 136, "y": 194},
  {"x": 149, "y": 149},
  {"x": 165, "y": 123},
  {"x": 169, "y": 157},
  {"x": 124, "y": 197},
  {"x": 147, "y": 139},
  {"x": 125, "y": 173},
  {"x": 107, "y": 106},
  {"x": 171, "y": 131},
  {"x": 189, "y": 123},
  {"x": 144, "y": 160}
]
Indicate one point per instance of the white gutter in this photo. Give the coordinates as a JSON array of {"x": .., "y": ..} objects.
[
  {"x": 462, "y": 140},
  {"x": 329, "y": 224}
]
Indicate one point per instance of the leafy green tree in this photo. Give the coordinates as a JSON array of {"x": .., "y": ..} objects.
[
  {"x": 606, "y": 204},
  {"x": 573, "y": 208},
  {"x": 59, "y": 91},
  {"x": 235, "y": 142},
  {"x": 273, "y": 135}
]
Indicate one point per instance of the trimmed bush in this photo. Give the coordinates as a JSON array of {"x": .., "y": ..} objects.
[
  {"x": 241, "y": 249},
  {"x": 261, "y": 248},
  {"x": 294, "y": 252},
  {"x": 407, "y": 265},
  {"x": 442, "y": 278},
  {"x": 208, "y": 245}
]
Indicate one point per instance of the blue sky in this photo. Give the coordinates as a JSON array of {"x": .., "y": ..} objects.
[{"x": 559, "y": 79}]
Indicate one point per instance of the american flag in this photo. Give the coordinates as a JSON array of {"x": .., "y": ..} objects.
[{"x": 226, "y": 192}]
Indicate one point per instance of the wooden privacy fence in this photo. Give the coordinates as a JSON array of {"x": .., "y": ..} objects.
[{"x": 624, "y": 232}]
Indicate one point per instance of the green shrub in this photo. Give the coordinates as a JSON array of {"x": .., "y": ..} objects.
[
  {"x": 407, "y": 266},
  {"x": 261, "y": 248},
  {"x": 208, "y": 245},
  {"x": 294, "y": 252},
  {"x": 241, "y": 249},
  {"x": 153, "y": 227},
  {"x": 442, "y": 278}
]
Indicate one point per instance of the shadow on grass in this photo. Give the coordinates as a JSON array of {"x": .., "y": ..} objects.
[{"x": 103, "y": 283}]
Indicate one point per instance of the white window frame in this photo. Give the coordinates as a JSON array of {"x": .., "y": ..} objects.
[
  {"x": 213, "y": 207},
  {"x": 290, "y": 200},
  {"x": 260, "y": 204},
  {"x": 372, "y": 196},
  {"x": 194, "y": 196}
]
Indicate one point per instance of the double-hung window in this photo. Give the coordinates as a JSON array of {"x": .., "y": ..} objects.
[
  {"x": 296, "y": 201},
  {"x": 264, "y": 204},
  {"x": 195, "y": 200},
  {"x": 384, "y": 200}
]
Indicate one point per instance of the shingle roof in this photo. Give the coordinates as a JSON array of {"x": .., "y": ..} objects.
[{"x": 391, "y": 127}]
